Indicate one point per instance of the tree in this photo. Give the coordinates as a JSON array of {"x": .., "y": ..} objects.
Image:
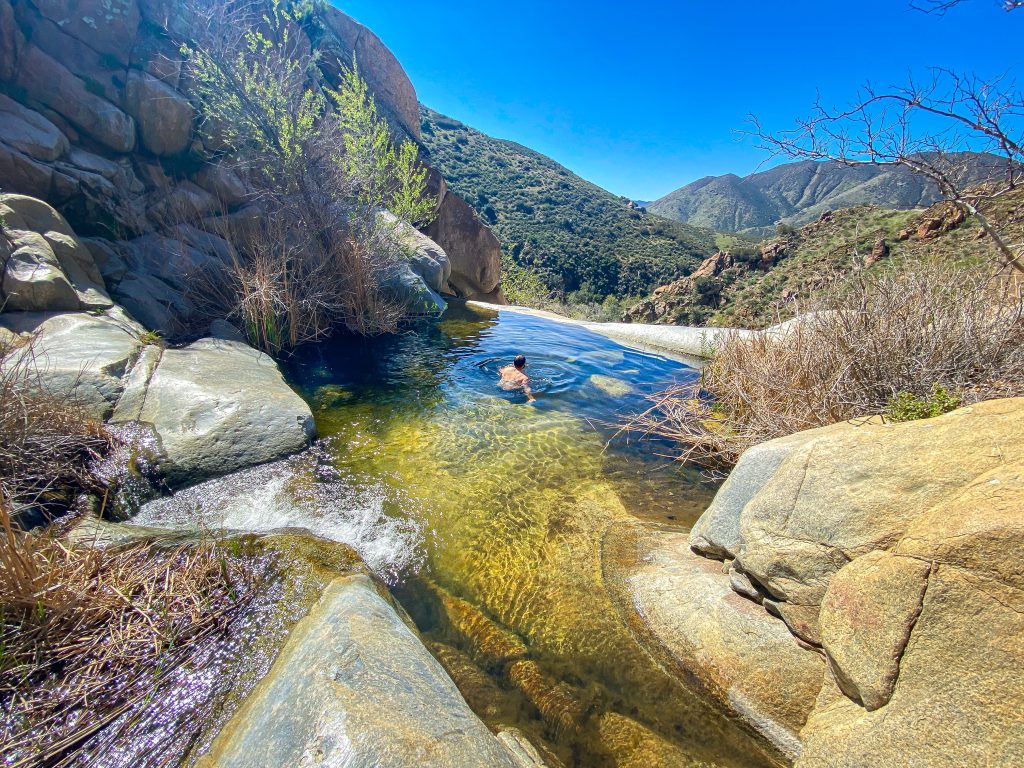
[
  {"x": 322, "y": 166},
  {"x": 936, "y": 127},
  {"x": 941, "y": 6}
]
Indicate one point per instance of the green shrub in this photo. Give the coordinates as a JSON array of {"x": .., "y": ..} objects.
[{"x": 907, "y": 406}]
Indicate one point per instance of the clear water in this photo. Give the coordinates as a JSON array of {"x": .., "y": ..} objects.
[
  {"x": 515, "y": 500},
  {"x": 491, "y": 518}
]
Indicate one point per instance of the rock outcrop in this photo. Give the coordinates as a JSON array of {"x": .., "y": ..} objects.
[
  {"x": 354, "y": 686},
  {"x": 894, "y": 549},
  {"x": 215, "y": 406},
  {"x": 79, "y": 354},
  {"x": 472, "y": 248},
  {"x": 737, "y": 654},
  {"x": 96, "y": 119},
  {"x": 45, "y": 267}
]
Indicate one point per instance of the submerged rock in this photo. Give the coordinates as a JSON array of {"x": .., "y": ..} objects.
[{"x": 355, "y": 687}]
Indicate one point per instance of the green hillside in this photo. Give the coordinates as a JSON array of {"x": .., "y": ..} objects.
[
  {"x": 755, "y": 286},
  {"x": 563, "y": 237}
]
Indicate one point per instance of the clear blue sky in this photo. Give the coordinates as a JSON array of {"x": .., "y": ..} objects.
[{"x": 644, "y": 97}]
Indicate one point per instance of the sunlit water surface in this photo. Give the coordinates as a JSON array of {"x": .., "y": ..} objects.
[{"x": 488, "y": 515}]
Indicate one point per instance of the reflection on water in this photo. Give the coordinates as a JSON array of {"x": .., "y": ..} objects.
[{"x": 515, "y": 501}]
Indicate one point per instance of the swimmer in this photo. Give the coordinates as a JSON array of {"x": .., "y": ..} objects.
[{"x": 513, "y": 377}]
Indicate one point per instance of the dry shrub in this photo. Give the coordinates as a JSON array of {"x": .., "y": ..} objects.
[
  {"x": 87, "y": 635},
  {"x": 285, "y": 287},
  {"x": 912, "y": 330},
  {"x": 47, "y": 442}
]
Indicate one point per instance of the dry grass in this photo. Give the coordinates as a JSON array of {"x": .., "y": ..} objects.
[
  {"x": 870, "y": 339},
  {"x": 286, "y": 287},
  {"x": 46, "y": 441},
  {"x": 87, "y": 635}
]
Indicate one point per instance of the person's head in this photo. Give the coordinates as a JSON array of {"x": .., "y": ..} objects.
[{"x": 519, "y": 362}]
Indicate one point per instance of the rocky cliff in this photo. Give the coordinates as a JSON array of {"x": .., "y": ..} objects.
[{"x": 96, "y": 119}]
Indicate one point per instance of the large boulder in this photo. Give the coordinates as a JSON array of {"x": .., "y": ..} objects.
[
  {"x": 30, "y": 132},
  {"x": 163, "y": 115},
  {"x": 50, "y": 83},
  {"x": 427, "y": 259},
  {"x": 924, "y": 640},
  {"x": 80, "y": 355},
  {"x": 347, "y": 39},
  {"x": 354, "y": 686},
  {"x": 23, "y": 174},
  {"x": 857, "y": 487},
  {"x": 717, "y": 532},
  {"x": 744, "y": 659},
  {"x": 218, "y": 406},
  {"x": 47, "y": 268},
  {"x": 472, "y": 249},
  {"x": 109, "y": 27}
]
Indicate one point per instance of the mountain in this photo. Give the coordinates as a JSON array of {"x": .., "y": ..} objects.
[
  {"x": 797, "y": 193},
  {"x": 580, "y": 241}
]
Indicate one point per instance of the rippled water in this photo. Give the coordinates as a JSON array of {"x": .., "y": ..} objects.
[
  {"x": 489, "y": 516},
  {"x": 515, "y": 500}
]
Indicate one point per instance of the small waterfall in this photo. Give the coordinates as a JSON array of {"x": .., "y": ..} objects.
[{"x": 305, "y": 491}]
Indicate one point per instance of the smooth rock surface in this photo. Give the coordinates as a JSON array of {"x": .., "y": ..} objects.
[
  {"x": 52, "y": 84},
  {"x": 717, "y": 532},
  {"x": 219, "y": 406},
  {"x": 959, "y": 697},
  {"x": 744, "y": 659},
  {"x": 473, "y": 250},
  {"x": 30, "y": 132},
  {"x": 80, "y": 354},
  {"x": 866, "y": 618},
  {"x": 49, "y": 268},
  {"x": 164, "y": 116},
  {"x": 354, "y": 687},
  {"x": 858, "y": 487}
]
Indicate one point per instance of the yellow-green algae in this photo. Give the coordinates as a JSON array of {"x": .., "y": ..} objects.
[{"x": 519, "y": 500}]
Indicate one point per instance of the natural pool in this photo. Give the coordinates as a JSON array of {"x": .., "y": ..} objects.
[{"x": 489, "y": 517}]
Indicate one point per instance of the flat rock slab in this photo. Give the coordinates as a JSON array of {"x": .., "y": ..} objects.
[
  {"x": 219, "y": 406},
  {"x": 354, "y": 687}
]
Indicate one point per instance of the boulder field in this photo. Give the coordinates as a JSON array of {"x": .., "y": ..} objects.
[
  {"x": 855, "y": 593},
  {"x": 96, "y": 119}
]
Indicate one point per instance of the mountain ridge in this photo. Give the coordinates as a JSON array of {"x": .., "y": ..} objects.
[
  {"x": 797, "y": 193},
  {"x": 582, "y": 243}
]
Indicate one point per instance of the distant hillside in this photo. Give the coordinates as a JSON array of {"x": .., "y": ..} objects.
[
  {"x": 581, "y": 242},
  {"x": 751, "y": 286},
  {"x": 797, "y": 193}
]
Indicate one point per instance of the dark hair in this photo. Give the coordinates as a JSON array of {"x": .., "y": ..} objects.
[{"x": 519, "y": 362}]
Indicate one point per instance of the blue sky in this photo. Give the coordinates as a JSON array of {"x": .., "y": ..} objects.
[{"x": 644, "y": 97}]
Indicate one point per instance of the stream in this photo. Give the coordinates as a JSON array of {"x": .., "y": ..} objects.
[{"x": 488, "y": 517}]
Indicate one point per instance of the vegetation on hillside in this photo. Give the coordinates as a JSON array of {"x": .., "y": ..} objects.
[
  {"x": 773, "y": 281},
  {"x": 320, "y": 162},
  {"x": 564, "y": 239},
  {"x": 908, "y": 342}
]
